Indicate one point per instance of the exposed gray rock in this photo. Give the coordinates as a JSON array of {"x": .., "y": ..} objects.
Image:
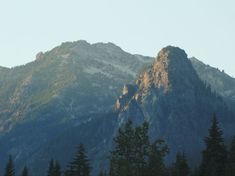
[{"x": 176, "y": 103}]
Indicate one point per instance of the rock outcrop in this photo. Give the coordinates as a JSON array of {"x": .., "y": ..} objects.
[{"x": 176, "y": 102}]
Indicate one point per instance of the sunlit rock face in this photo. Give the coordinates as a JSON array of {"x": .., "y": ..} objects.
[{"x": 176, "y": 102}]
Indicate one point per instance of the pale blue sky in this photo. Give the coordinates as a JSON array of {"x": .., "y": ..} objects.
[{"x": 204, "y": 28}]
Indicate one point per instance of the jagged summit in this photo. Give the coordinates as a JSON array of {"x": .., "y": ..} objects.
[
  {"x": 171, "y": 69},
  {"x": 171, "y": 58},
  {"x": 173, "y": 51},
  {"x": 83, "y": 44},
  {"x": 178, "y": 105}
]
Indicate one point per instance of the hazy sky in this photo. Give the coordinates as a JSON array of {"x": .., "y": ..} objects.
[{"x": 204, "y": 28}]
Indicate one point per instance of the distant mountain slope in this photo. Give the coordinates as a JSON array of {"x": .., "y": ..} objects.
[
  {"x": 77, "y": 78},
  {"x": 69, "y": 81},
  {"x": 220, "y": 82},
  {"x": 3, "y": 69}
]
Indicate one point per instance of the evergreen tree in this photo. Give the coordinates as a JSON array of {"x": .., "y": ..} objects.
[
  {"x": 140, "y": 150},
  {"x": 67, "y": 172},
  {"x": 214, "y": 156},
  {"x": 122, "y": 156},
  {"x": 80, "y": 165},
  {"x": 131, "y": 147},
  {"x": 70, "y": 170},
  {"x": 54, "y": 168},
  {"x": 158, "y": 151},
  {"x": 180, "y": 167},
  {"x": 57, "y": 169},
  {"x": 134, "y": 155},
  {"x": 51, "y": 168},
  {"x": 102, "y": 173},
  {"x": 9, "y": 171},
  {"x": 230, "y": 169},
  {"x": 196, "y": 172},
  {"x": 25, "y": 171}
]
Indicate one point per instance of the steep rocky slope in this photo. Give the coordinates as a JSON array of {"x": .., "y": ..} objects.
[
  {"x": 219, "y": 81},
  {"x": 176, "y": 102},
  {"x": 72, "y": 80}
]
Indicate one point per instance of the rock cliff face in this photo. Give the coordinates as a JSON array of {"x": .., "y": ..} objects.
[
  {"x": 62, "y": 98},
  {"x": 178, "y": 105}
]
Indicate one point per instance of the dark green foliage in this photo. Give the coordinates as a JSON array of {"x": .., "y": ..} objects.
[
  {"x": 51, "y": 168},
  {"x": 103, "y": 174},
  {"x": 127, "y": 157},
  {"x": 214, "y": 156},
  {"x": 134, "y": 155},
  {"x": 80, "y": 166},
  {"x": 54, "y": 168},
  {"x": 157, "y": 152},
  {"x": 67, "y": 172},
  {"x": 230, "y": 169},
  {"x": 57, "y": 169},
  {"x": 9, "y": 171},
  {"x": 196, "y": 172},
  {"x": 25, "y": 171},
  {"x": 180, "y": 167}
]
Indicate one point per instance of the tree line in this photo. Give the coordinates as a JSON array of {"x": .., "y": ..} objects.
[{"x": 135, "y": 155}]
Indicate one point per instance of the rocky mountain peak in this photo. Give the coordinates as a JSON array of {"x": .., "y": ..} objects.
[
  {"x": 170, "y": 58},
  {"x": 39, "y": 55},
  {"x": 171, "y": 68},
  {"x": 171, "y": 71},
  {"x": 177, "y": 104}
]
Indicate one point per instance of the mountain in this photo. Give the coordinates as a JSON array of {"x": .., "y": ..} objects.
[
  {"x": 61, "y": 92},
  {"x": 176, "y": 102},
  {"x": 67, "y": 96},
  {"x": 219, "y": 81},
  {"x": 71, "y": 80}
]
